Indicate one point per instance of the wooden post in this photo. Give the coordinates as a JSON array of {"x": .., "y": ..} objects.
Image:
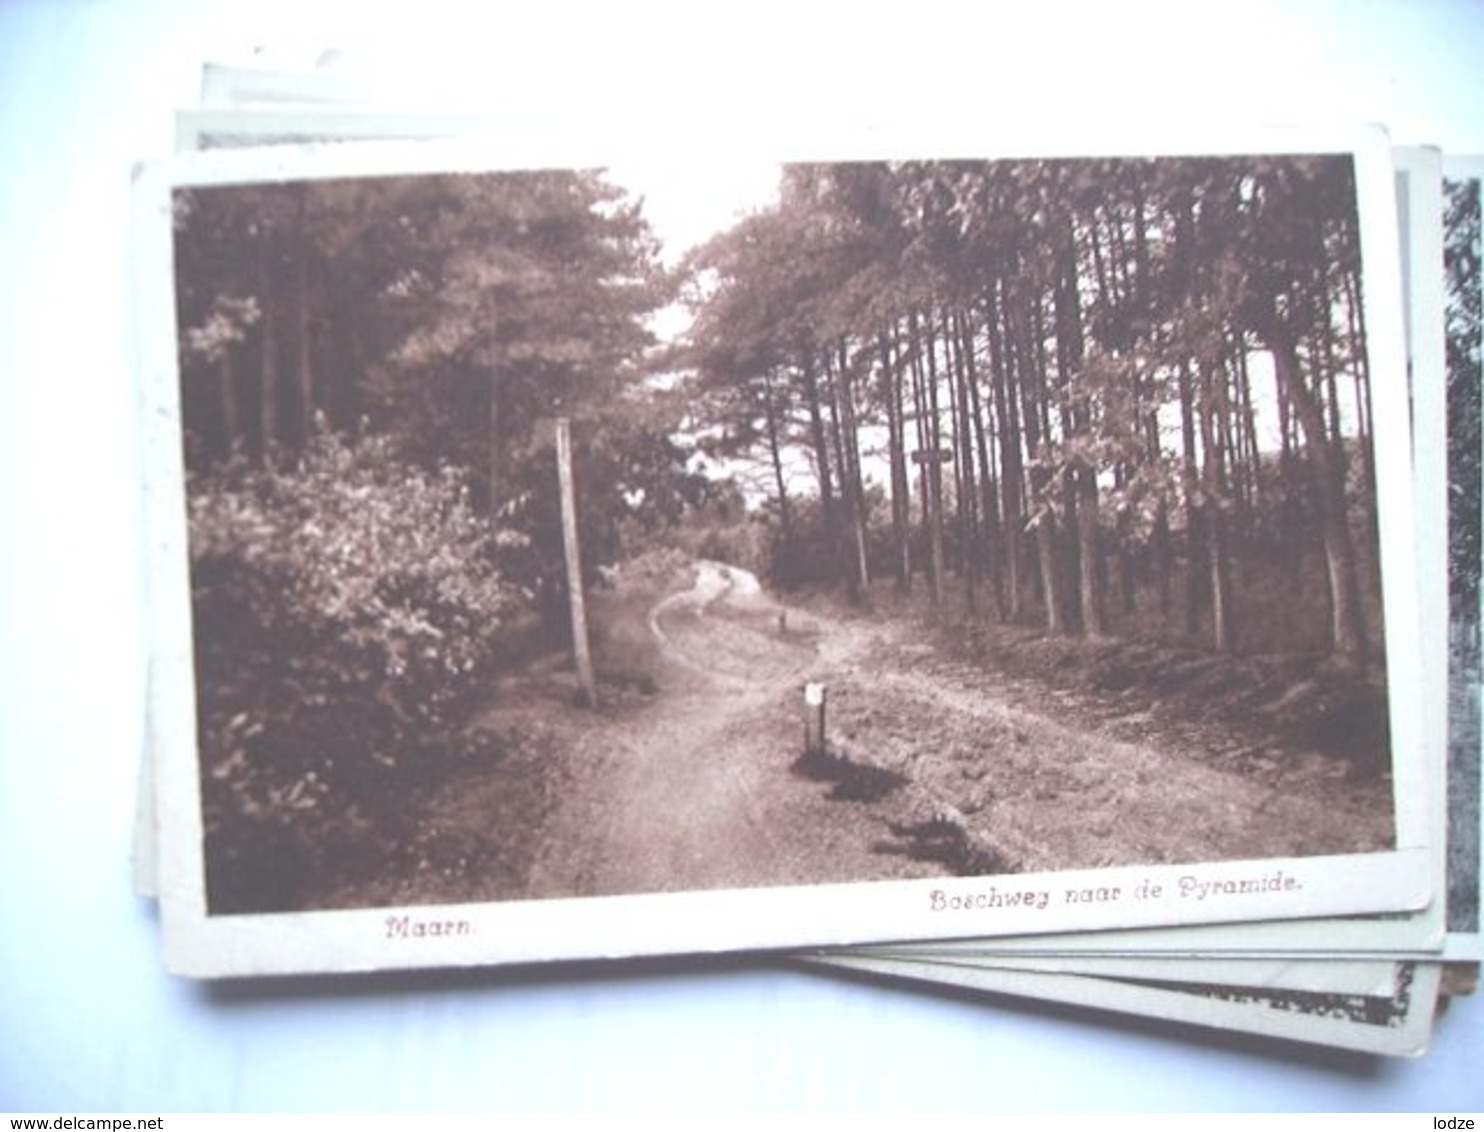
[
  {"x": 574, "y": 564},
  {"x": 814, "y": 739}
]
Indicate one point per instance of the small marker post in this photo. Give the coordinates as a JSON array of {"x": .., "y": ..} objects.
[{"x": 814, "y": 700}]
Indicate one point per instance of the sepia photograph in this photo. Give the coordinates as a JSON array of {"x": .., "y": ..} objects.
[
  {"x": 1419, "y": 186},
  {"x": 935, "y": 551},
  {"x": 560, "y": 533}
]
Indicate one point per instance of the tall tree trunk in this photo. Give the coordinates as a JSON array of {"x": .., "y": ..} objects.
[
  {"x": 933, "y": 466},
  {"x": 1004, "y": 370},
  {"x": 1069, "y": 351},
  {"x": 1143, "y": 290},
  {"x": 1031, "y": 368},
  {"x": 1197, "y": 578},
  {"x": 989, "y": 526},
  {"x": 360, "y": 362},
  {"x": 1347, "y": 623},
  {"x": 851, "y": 473},
  {"x": 952, "y": 372},
  {"x": 1136, "y": 325},
  {"x": 1233, "y": 518},
  {"x": 1292, "y": 532},
  {"x": 1361, "y": 362},
  {"x": 968, "y": 490},
  {"x": 1251, "y": 456},
  {"x": 926, "y": 442},
  {"x": 1107, "y": 297},
  {"x": 1163, "y": 551},
  {"x": 817, "y": 434},
  {"x": 496, "y": 447},
  {"x": 303, "y": 324},
  {"x": 844, "y": 513},
  {"x": 1214, "y": 475},
  {"x": 1325, "y": 365},
  {"x": 775, "y": 452},
  {"x": 227, "y": 391},
  {"x": 268, "y": 340},
  {"x": 901, "y": 499},
  {"x": 959, "y": 555}
]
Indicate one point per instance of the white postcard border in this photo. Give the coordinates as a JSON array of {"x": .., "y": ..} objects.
[{"x": 756, "y": 919}]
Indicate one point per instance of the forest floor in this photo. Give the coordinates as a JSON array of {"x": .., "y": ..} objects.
[{"x": 953, "y": 747}]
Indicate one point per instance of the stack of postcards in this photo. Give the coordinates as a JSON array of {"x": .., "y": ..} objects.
[{"x": 1042, "y": 566}]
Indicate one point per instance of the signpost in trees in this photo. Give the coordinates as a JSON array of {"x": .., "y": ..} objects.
[
  {"x": 939, "y": 456},
  {"x": 580, "y": 648}
]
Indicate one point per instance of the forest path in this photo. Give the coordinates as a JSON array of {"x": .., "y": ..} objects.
[
  {"x": 695, "y": 790},
  {"x": 936, "y": 766}
]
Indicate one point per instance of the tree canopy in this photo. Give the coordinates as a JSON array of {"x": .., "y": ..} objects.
[
  {"x": 452, "y": 314},
  {"x": 1079, "y": 361}
]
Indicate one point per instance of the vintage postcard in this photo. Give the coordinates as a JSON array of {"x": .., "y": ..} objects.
[
  {"x": 1387, "y": 936},
  {"x": 1419, "y": 199},
  {"x": 1396, "y": 1023},
  {"x": 294, "y": 124},
  {"x": 256, "y": 107},
  {"x": 1320, "y": 975},
  {"x": 1418, "y": 934},
  {"x": 838, "y": 492},
  {"x": 254, "y": 127},
  {"x": 1461, "y": 253}
]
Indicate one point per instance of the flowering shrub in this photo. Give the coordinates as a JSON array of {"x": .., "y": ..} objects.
[{"x": 346, "y": 616}]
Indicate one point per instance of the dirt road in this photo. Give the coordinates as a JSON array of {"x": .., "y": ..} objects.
[
  {"x": 696, "y": 790},
  {"x": 934, "y": 767},
  {"x": 690, "y": 775}
]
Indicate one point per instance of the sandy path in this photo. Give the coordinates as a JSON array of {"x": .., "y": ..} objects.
[
  {"x": 695, "y": 789},
  {"x": 696, "y": 792}
]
